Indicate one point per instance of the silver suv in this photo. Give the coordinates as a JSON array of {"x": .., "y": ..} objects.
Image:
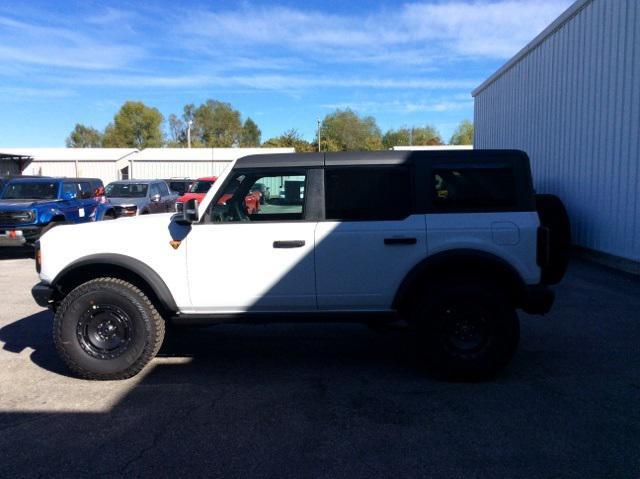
[{"x": 140, "y": 197}]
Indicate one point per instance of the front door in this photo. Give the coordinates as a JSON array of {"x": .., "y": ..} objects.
[{"x": 257, "y": 262}]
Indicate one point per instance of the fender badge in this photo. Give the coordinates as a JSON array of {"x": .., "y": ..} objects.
[{"x": 174, "y": 244}]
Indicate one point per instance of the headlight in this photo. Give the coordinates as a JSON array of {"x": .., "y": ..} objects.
[
  {"x": 24, "y": 216},
  {"x": 129, "y": 210}
]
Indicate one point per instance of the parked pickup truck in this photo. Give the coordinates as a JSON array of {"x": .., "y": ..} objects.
[
  {"x": 29, "y": 207},
  {"x": 201, "y": 186},
  {"x": 456, "y": 245}
]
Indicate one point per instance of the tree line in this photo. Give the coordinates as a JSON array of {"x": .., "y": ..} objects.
[{"x": 218, "y": 124}]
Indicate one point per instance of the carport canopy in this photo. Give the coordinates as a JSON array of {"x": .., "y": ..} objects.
[{"x": 7, "y": 158}]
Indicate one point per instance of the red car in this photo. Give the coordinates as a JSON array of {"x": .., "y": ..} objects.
[{"x": 202, "y": 185}]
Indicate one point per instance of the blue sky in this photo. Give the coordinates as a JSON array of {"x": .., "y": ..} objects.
[{"x": 285, "y": 63}]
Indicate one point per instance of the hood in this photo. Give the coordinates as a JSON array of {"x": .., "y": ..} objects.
[
  {"x": 9, "y": 204},
  {"x": 191, "y": 196},
  {"x": 128, "y": 201}
]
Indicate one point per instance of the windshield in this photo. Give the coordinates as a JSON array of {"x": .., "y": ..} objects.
[
  {"x": 178, "y": 186},
  {"x": 200, "y": 186},
  {"x": 126, "y": 190},
  {"x": 31, "y": 191}
]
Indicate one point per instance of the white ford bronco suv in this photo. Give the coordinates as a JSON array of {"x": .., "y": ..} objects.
[{"x": 451, "y": 243}]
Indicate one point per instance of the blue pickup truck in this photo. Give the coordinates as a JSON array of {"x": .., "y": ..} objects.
[{"x": 31, "y": 206}]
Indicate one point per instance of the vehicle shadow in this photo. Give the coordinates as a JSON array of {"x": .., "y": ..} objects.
[
  {"x": 15, "y": 252},
  {"x": 237, "y": 349}
]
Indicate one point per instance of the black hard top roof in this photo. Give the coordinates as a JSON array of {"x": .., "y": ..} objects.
[{"x": 390, "y": 157}]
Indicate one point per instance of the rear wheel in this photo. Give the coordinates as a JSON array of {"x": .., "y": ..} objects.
[
  {"x": 467, "y": 331},
  {"x": 107, "y": 329}
]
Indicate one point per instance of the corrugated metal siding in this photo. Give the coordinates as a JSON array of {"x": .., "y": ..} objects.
[
  {"x": 573, "y": 104},
  {"x": 178, "y": 169},
  {"x": 105, "y": 170},
  {"x": 108, "y": 171}
]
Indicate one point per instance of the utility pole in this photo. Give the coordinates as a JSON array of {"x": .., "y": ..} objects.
[
  {"x": 319, "y": 148},
  {"x": 189, "y": 123},
  {"x": 411, "y": 136}
]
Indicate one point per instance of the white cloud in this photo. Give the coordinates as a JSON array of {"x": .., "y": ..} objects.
[
  {"x": 398, "y": 106},
  {"x": 268, "y": 82},
  {"x": 30, "y": 43},
  {"x": 493, "y": 29},
  {"x": 25, "y": 93}
]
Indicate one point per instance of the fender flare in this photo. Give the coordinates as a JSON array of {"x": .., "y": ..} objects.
[
  {"x": 122, "y": 262},
  {"x": 456, "y": 263}
]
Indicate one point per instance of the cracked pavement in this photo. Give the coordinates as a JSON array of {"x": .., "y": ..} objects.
[{"x": 329, "y": 400}]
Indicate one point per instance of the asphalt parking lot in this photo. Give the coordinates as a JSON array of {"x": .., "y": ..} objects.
[{"x": 329, "y": 401}]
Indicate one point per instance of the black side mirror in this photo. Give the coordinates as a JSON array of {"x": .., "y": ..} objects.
[{"x": 189, "y": 212}]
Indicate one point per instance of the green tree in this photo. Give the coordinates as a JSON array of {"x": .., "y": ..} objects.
[
  {"x": 290, "y": 139},
  {"x": 414, "y": 136},
  {"x": 84, "y": 137},
  {"x": 251, "y": 134},
  {"x": 136, "y": 126},
  {"x": 463, "y": 135},
  {"x": 177, "y": 132},
  {"x": 216, "y": 124},
  {"x": 345, "y": 130}
]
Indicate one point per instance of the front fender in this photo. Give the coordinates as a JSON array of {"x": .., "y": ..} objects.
[
  {"x": 102, "y": 210},
  {"x": 46, "y": 214}
]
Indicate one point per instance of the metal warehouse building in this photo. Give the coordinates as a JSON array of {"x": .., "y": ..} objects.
[
  {"x": 111, "y": 164},
  {"x": 571, "y": 100}
]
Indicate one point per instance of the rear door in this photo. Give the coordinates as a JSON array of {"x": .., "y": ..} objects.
[
  {"x": 167, "y": 198},
  {"x": 88, "y": 202},
  {"x": 370, "y": 239}
]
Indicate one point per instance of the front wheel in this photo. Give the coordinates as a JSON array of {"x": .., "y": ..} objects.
[
  {"x": 107, "y": 329},
  {"x": 467, "y": 331}
]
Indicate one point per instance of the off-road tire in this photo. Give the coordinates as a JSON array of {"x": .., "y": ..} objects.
[
  {"x": 438, "y": 329},
  {"x": 146, "y": 332},
  {"x": 50, "y": 226}
]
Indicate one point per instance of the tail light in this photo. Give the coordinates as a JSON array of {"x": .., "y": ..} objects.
[{"x": 38, "y": 256}]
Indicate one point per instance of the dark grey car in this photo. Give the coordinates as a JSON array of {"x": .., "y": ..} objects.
[{"x": 140, "y": 197}]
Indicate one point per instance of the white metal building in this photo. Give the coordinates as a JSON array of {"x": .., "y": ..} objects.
[
  {"x": 111, "y": 164},
  {"x": 571, "y": 100},
  {"x": 189, "y": 163}
]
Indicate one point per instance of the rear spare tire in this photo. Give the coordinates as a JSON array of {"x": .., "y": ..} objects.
[
  {"x": 107, "y": 329},
  {"x": 555, "y": 243}
]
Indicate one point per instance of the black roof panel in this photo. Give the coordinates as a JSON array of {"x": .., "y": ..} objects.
[{"x": 387, "y": 157}]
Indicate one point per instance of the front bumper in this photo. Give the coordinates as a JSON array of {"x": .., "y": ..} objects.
[
  {"x": 537, "y": 299},
  {"x": 43, "y": 294},
  {"x": 19, "y": 234}
]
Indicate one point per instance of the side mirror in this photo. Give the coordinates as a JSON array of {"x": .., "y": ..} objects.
[
  {"x": 67, "y": 195},
  {"x": 189, "y": 212},
  {"x": 155, "y": 199}
]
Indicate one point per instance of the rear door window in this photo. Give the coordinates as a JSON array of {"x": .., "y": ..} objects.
[{"x": 368, "y": 193}]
